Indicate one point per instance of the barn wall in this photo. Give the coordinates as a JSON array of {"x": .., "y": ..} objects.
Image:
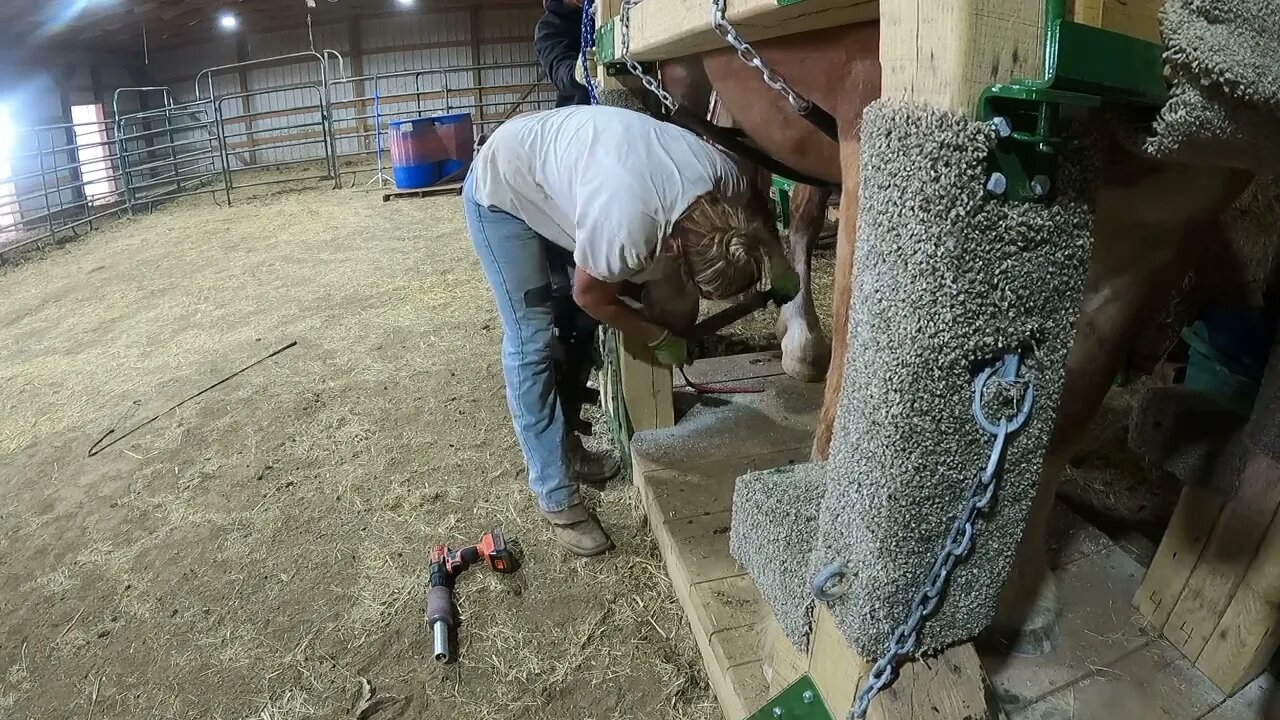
[
  {"x": 278, "y": 122},
  {"x": 44, "y": 183}
]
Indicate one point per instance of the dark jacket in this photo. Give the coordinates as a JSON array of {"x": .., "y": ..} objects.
[{"x": 558, "y": 39}]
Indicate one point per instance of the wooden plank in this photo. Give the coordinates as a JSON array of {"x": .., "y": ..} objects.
[
  {"x": 944, "y": 52},
  {"x": 1226, "y": 557},
  {"x": 951, "y": 685},
  {"x": 1248, "y": 634},
  {"x": 836, "y": 670},
  {"x": 673, "y": 28},
  {"x": 1189, "y": 528},
  {"x": 1096, "y": 629},
  {"x": 1140, "y": 18},
  {"x": 646, "y": 388},
  {"x": 1260, "y": 700},
  {"x": 1153, "y": 682},
  {"x": 748, "y": 691},
  {"x": 783, "y": 663}
]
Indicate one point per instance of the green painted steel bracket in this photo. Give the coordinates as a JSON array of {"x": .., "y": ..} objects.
[
  {"x": 800, "y": 701},
  {"x": 1084, "y": 67},
  {"x": 604, "y": 42},
  {"x": 780, "y": 193}
]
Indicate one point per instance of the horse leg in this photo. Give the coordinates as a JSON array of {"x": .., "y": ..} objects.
[
  {"x": 1140, "y": 257},
  {"x": 805, "y": 350},
  {"x": 842, "y": 292}
]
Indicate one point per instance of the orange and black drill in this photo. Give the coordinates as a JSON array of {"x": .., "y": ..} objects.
[{"x": 446, "y": 565}]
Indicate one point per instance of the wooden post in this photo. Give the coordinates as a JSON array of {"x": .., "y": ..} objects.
[
  {"x": 940, "y": 53},
  {"x": 242, "y": 54},
  {"x": 356, "y": 54},
  {"x": 477, "y": 78},
  {"x": 646, "y": 388}
]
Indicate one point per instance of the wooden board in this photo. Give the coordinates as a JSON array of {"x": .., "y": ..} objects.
[
  {"x": 1139, "y": 18},
  {"x": 646, "y": 388},
  {"x": 1248, "y": 634},
  {"x": 435, "y": 191},
  {"x": 673, "y": 28},
  {"x": 1226, "y": 557},
  {"x": 1184, "y": 539},
  {"x": 1153, "y": 682}
]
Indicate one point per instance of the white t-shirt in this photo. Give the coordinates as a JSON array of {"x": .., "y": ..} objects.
[{"x": 603, "y": 182}]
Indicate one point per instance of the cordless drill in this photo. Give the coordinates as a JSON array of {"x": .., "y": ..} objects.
[{"x": 446, "y": 565}]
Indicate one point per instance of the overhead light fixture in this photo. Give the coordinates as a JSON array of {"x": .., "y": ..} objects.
[
  {"x": 405, "y": 3},
  {"x": 228, "y": 21}
]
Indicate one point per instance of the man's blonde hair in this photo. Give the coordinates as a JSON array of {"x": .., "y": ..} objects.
[{"x": 723, "y": 245}]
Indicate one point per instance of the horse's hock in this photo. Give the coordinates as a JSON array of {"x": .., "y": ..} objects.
[{"x": 958, "y": 277}]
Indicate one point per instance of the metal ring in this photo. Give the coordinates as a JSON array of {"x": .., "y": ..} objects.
[
  {"x": 980, "y": 383},
  {"x": 828, "y": 584}
]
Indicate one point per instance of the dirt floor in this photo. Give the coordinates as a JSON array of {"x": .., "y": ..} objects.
[{"x": 260, "y": 552}]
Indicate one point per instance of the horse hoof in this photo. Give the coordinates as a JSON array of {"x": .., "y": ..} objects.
[
  {"x": 804, "y": 356},
  {"x": 1038, "y": 634}
]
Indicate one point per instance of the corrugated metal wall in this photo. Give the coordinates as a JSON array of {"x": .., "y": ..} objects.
[{"x": 412, "y": 54}]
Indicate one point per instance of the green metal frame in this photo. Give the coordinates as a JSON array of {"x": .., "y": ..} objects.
[
  {"x": 604, "y": 42},
  {"x": 1084, "y": 67}
]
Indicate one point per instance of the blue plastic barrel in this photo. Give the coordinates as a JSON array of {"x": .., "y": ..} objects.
[
  {"x": 413, "y": 147},
  {"x": 462, "y": 146}
]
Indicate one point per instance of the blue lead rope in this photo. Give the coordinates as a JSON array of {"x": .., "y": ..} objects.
[{"x": 588, "y": 42}]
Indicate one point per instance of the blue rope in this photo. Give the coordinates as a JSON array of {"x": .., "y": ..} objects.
[{"x": 588, "y": 42}]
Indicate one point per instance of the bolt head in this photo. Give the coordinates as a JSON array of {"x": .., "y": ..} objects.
[
  {"x": 1002, "y": 127},
  {"x": 807, "y": 697},
  {"x": 1040, "y": 185},
  {"x": 777, "y": 712},
  {"x": 997, "y": 184}
]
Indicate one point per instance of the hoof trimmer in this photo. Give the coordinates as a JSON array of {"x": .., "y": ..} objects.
[{"x": 446, "y": 565}]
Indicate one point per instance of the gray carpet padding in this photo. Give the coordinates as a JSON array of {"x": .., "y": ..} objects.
[
  {"x": 1224, "y": 107},
  {"x": 775, "y": 522},
  {"x": 947, "y": 278}
]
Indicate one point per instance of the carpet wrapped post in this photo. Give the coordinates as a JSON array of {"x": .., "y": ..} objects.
[{"x": 949, "y": 279}]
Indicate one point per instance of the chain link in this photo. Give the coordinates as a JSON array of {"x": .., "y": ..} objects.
[
  {"x": 624, "y": 18},
  {"x": 752, "y": 58},
  {"x": 904, "y": 641}
]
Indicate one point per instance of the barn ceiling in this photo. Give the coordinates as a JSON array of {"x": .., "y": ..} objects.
[{"x": 42, "y": 25}]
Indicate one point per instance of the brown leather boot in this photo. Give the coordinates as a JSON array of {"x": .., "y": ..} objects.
[
  {"x": 578, "y": 531},
  {"x": 589, "y": 467}
]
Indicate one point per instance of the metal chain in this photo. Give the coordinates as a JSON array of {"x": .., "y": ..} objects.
[
  {"x": 904, "y": 641},
  {"x": 752, "y": 58},
  {"x": 649, "y": 81}
]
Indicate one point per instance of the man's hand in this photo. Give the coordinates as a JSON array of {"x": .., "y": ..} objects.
[
  {"x": 670, "y": 350},
  {"x": 784, "y": 282}
]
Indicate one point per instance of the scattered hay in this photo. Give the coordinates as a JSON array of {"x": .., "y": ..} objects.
[{"x": 253, "y": 553}]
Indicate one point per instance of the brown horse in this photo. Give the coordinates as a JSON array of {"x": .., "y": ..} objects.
[{"x": 1151, "y": 219}]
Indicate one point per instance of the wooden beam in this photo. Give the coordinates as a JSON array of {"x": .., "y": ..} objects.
[
  {"x": 356, "y": 56},
  {"x": 1140, "y": 18},
  {"x": 242, "y": 55},
  {"x": 474, "y": 26},
  {"x": 1246, "y": 638},
  {"x": 672, "y": 28},
  {"x": 646, "y": 388}
]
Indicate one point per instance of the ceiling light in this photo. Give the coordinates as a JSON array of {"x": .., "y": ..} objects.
[
  {"x": 228, "y": 21},
  {"x": 405, "y": 3}
]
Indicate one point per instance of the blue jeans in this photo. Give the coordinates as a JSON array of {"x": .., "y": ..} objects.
[{"x": 515, "y": 262}]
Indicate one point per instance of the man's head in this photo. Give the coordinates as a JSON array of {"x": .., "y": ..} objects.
[{"x": 724, "y": 245}]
